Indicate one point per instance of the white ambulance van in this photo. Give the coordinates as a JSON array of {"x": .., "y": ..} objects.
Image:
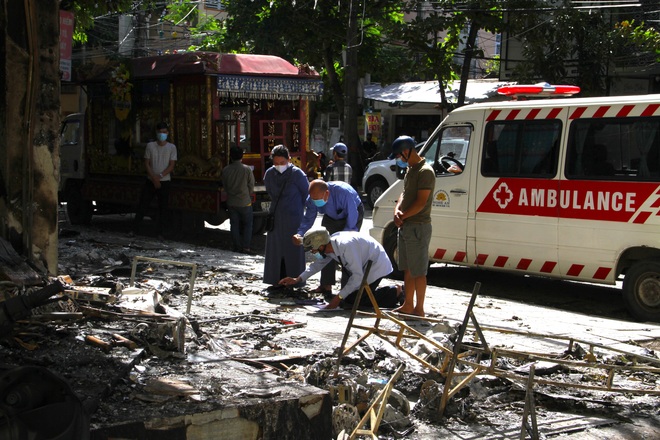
[{"x": 566, "y": 188}]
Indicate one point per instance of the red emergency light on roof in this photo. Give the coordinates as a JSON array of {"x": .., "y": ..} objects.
[{"x": 540, "y": 89}]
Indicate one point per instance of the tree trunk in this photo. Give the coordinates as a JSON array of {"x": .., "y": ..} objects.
[
  {"x": 29, "y": 125},
  {"x": 467, "y": 60},
  {"x": 333, "y": 78}
]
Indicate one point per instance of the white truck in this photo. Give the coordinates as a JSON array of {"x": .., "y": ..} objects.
[{"x": 566, "y": 188}]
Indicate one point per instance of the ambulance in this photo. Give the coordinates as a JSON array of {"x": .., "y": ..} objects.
[{"x": 565, "y": 188}]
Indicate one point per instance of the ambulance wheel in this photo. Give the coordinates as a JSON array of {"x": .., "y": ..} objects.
[
  {"x": 641, "y": 291},
  {"x": 391, "y": 247}
]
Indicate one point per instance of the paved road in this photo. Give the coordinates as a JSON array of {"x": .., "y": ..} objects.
[{"x": 592, "y": 299}]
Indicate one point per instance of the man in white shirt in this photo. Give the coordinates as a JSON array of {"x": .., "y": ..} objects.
[
  {"x": 353, "y": 251},
  {"x": 159, "y": 159}
]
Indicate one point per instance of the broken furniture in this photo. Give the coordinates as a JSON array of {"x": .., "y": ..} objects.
[
  {"x": 20, "y": 307},
  {"x": 193, "y": 273},
  {"x": 469, "y": 356}
]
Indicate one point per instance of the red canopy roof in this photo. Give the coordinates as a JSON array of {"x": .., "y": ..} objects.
[
  {"x": 211, "y": 63},
  {"x": 237, "y": 75}
]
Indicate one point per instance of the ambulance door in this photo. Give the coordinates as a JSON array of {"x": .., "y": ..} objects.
[
  {"x": 517, "y": 188},
  {"x": 448, "y": 154},
  {"x": 609, "y": 195}
]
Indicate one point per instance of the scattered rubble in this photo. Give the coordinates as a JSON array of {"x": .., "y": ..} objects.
[{"x": 141, "y": 365}]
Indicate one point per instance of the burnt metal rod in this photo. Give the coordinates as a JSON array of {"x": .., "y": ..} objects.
[
  {"x": 264, "y": 330},
  {"x": 529, "y": 410},
  {"x": 570, "y": 340},
  {"x": 356, "y": 304},
  {"x": 457, "y": 347}
]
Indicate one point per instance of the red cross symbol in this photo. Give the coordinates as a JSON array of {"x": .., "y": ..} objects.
[{"x": 503, "y": 195}]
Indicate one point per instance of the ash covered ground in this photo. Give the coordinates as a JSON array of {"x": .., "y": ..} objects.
[{"x": 178, "y": 361}]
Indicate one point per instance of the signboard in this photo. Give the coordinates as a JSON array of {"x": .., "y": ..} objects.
[
  {"x": 66, "y": 41},
  {"x": 374, "y": 125}
]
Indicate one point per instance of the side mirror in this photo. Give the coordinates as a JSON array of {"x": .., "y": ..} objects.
[{"x": 400, "y": 172}]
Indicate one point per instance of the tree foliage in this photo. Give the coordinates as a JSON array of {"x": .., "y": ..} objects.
[
  {"x": 315, "y": 32},
  {"x": 560, "y": 44},
  {"x": 203, "y": 28},
  {"x": 438, "y": 40},
  {"x": 87, "y": 11},
  {"x": 569, "y": 45}
]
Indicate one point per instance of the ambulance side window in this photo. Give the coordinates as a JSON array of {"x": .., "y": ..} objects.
[
  {"x": 614, "y": 149},
  {"x": 521, "y": 148}
]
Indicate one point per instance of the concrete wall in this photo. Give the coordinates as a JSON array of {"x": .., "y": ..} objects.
[{"x": 29, "y": 121}]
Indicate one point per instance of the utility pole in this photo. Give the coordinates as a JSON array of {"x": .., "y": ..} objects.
[{"x": 350, "y": 96}]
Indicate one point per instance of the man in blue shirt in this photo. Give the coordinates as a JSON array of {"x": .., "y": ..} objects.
[{"x": 342, "y": 210}]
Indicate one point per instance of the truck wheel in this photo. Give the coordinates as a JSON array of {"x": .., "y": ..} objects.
[
  {"x": 641, "y": 291},
  {"x": 78, "y": 209},
  {"x": 374, "y": 189},
  {"x": 391, "y": 247}
]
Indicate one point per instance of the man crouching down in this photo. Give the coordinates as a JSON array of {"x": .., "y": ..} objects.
[{"x": 353, "y": 251}]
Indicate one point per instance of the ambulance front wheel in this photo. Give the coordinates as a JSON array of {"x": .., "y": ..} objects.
[{"x": 641, "y": 291}]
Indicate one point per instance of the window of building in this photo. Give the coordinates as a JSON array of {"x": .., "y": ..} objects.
[{"x": 213, "y": 4}]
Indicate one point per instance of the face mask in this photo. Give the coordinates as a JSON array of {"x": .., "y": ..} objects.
[
  {"x": 318, "y": 255},
  {"x": 319, "y": 203},
  {"x": 162, "y": 137},
  {"x": 401, "y": 164},
  {"x": 281, "y": 168}
]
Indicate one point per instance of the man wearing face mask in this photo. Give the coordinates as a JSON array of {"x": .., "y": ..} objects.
[
  {"x": 412, "y": 215},
  {"x": 353, "y": 251},
  {"x": 287, "y": 187},
  {"x": 159, "y": 160},
  {"x": 342, "y": 210}
]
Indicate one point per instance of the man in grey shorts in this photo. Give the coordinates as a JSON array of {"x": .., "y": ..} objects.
[{"x": 412, "y": 215}]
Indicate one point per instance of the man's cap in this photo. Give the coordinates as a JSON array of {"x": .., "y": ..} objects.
[
  {"x": 314, "y": 238},
  {"x": 340, "y": 149},
  {"x": 401, "y": 143}
]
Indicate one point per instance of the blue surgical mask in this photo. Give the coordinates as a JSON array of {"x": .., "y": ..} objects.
[
  {"x": 318, "y": 255},
  {"x": 401, "y": 164},
  {"x": 319, "y": 202},
  {"x": 281, "y": 168},
  {"x": 162, "y": 137}
]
